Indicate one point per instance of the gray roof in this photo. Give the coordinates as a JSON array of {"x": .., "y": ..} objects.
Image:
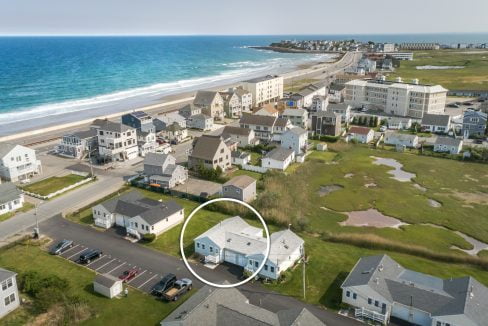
[
  {"x": 222, "y": 307},
  {"x": 279, "y": 153},
  {"x": 261, "y": 79},
  {"x": 8, "y": 192},
  {"x": 206, "y": 146},
  {"x": 200, "y": 116},
  {"x": 5, "y": 148},
  {"x": 86, "y": 133},
  {"x": 229, "y": 130},
  {"x": 205, "y": 97},
  {"x": 111, "y": 126},
  {"x": 254, "y": 119},
  {"x": 401, "y": 136},
  {"x": 336, "y": 87},
  {"x": 135, "y": 204},
  {"x": 456, "y": 296},
  {"x": 436, "y": 119},
  {"x": 241, "y": 181},
  {"x": 448, "y": 141},
  {"x": 327, "y": 113},
  {"x": 294, "y": 112},
  {"x": 338, "y": 106},
  {"x": 6, "y": 274},
  {"x": 281, "y": 122},
  {"x": 297, "y": 131},
  {"x": 175, "y": 126},
  {"x": 157, "y": 159},
  {"x": 107, "y": 280}
]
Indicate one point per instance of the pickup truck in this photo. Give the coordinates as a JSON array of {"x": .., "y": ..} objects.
[
  {"x": 179, "y": 288},
  {"x": 166, "y": 283}
]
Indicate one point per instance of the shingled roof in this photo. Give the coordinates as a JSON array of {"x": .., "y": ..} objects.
[{"x": 206, "y": 146}]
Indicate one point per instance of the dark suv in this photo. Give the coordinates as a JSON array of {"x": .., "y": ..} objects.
[
  {"x": 89, "y": 256},
  {"x": 164, "y": 285},
  {"x": 62, "y": 247}
]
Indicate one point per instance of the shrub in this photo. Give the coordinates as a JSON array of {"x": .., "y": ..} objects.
[{"x": 149, "y": 237}]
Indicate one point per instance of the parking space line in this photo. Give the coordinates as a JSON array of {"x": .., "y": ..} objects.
[
  {"x": 105, "y": 264},
  {"x": 110, "y": 272},
  {"x": 135, "y": 278},
  {"x": 71, "y": 248},
  {"x": 79, "y": 252},
  {"x": 95, "y": 260},
  {"x": 140, "y": 286}
]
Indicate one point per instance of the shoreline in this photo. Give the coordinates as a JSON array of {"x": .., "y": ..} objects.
[
  {"x": 289, "y": 50},
  {"x": 165, "y": 104}
]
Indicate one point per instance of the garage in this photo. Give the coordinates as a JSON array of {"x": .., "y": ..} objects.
[{"x": 234, "y": 257}]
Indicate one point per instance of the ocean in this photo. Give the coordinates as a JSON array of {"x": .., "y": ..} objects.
[{"x": 64, "y": 78}]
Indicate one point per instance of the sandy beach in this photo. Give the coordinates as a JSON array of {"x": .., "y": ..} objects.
[{"x": 166, "y": 104}]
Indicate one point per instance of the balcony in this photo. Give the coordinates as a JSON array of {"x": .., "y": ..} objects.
[{"x": 371, "y": 315}]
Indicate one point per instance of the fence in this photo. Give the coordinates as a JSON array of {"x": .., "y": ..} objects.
[
  {"x": 371, "y": 315},
  {"x": 254, "y": 168},
  {"x": 59, "y": 192}
]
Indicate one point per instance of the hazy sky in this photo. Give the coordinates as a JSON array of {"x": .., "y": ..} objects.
[{"x": 241, "y": 17}]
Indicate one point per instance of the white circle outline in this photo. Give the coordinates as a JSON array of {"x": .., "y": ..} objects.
[{"x": 268, "y": 244}]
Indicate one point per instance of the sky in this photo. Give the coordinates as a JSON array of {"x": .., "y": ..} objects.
[{"x": 270, "y": 17}]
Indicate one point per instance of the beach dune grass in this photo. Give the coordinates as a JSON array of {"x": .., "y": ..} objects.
[{"x": 53, "y": 184}]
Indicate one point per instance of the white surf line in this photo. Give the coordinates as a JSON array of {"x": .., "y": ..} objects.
[
  {"x": 95, "y": 260},
  {"x": 135, "y": 278},
  {"x": 71, "y": 249},
  {"x": 79, "y": 252},
  {"x": 116, "y": 268},
  {"x": 104, "y": 264},
  {"x": 140, "y": 286}
]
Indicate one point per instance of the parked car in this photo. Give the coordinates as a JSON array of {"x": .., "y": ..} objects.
[
  {"x": 383, "y": 128},
  {"x": 180, "y": 288},
  {"x": 478, "y": 141},
  {"x": 129, "y": 274},
  {"x": 89, "y": 256},
  {"x": 467, "y": 103},
  {"x": 452, "y": 105},
  {"x": 62, "y": 247},
  {"x": 164, "y": 285}
]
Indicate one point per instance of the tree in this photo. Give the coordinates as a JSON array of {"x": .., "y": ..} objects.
[
  {"x": 355, "y": 120},
  {"x": 375, "y": 121}
]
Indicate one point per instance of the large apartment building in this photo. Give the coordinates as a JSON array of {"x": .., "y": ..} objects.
[
  {"x": 264, "y": 89},
  {"x": 397, "y": 98}
]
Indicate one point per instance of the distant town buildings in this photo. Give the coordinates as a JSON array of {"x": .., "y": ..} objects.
[{"x": 419, "y": 46}]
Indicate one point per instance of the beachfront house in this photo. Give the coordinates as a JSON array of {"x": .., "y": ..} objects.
[
  {"x": 18, "y": 162},
  {"x": 379, "y": 287},
  {"x": 116, "y": 141},
  {"x": 297, "y": 117},
  {"x": 448, "y": 145},
  {"x": 245, "y": 98},
  {"x": 278, "y": 158},
  {"x": 9, "y": 292},
  {"x": 266, "y": 89},
  {"x": 137, "y": 214},
  {"x": 161, "y": 170},
  {"x": 295, "y": 139},
  {"x": 236, "y": 242},
  {"x": 210, "y": 152},
  {"x": 436, "y": 123},
  {"x": 146, "y": 141},
  {"x": 241, "y": 187},
  {"x": 326, "y": 123},
  {"x": 401, "y": 140},
  {"x": 362, "y": 135},
  {"x": 244, "y": 136},
  {"x": 265, "y": 127},
  {"x": 139, "y": 120},
  {"x": 174, "y": 133},
  {"x": 78, "y": 145},
  {"x": 474, "y": 123},
  {"x": 232, "y": 104},
  {"x": 211, "y": 104},
  {"x": 168, "y": 119},
  {"x": 200, "y": 122},
  {"x": 319, "y": 103},
  {"x": 189, "y": 110},
  {"x": 11, "y": 198}
]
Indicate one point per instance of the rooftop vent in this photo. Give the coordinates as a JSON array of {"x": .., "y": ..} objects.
[
  {"x": 229, "y": 240},
  {"x": 380, "y": 268},
  {"x": 248, "y": 243}
]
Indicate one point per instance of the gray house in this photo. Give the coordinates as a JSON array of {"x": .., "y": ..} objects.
[
  {"x": 11, "y": 198},
  {"x": 216, "y": 306},
  {"x": 448, "y": 145},
  {"x": 241, "y": 187},
  {"x": 78, "y": 144},
  {"x": 474, "y": 123},
  {"x": 200, "y": 121},
  {"x": 161, "y": 170},
  {"x": 381, "y": 288},
  {"x": 437, "y": 123},
  {"x": 9, "y": 293},
  {"x": 189, "y": 110}
]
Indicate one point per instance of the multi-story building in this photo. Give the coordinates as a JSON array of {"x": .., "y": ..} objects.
[
  {"x": 397, "y": 98},
  {"x": 211, "y": 104},
  {"x": 264, "y": 89},
  {"x": 116, "y": 141},
  {"x": 307, "y": 93},
  {"x": 139, "y": 120},
  {"x": 297, "y": 117},
  {"x": 78, "y": 144},
  {"x": 295, "y": 139},
  {"x": 243, "y": 136},
  {"x": 18, "y": 162},
  {"x": 189, "y": 110},
  {"x": 146, "y": 141},
  {"x": 245, "y": 98},
  {"x": 161, "y": 170},
  {"x": 232, "y": 104},
  {"x": 9, "y": 293},
  {"x": 265, "y": 128},
  {"x": 211, "y": 152},
  {"x": 200, "y": 121},
  {"x": 343, "y": 109},
  {"x": 319, "y": 103},
  {"x": 326, "y": 123}
]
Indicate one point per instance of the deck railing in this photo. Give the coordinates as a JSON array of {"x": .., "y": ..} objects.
[{"x": 371, "y": 315}]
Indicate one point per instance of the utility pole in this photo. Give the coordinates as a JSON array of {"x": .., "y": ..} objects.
[{"x": 304, "y": 263}]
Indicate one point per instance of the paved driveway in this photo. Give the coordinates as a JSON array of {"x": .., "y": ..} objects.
[{"x": 120, "y": 254}]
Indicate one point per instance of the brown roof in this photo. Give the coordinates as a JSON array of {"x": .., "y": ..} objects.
[
  {"x": 270, "y": 108},
  {"x": 241, "y": 181},
  {"x": 253, "y": 119},
  {"x": 206, "y": 146},
  {"x": 359, "y": 130},
  {"x": 229, "y": 130},
  {"x": 205, "y": 97},
  {"x": 281, "y": 122}
]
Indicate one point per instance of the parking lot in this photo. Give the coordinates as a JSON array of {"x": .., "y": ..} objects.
[{"x": 108, "y": 264}]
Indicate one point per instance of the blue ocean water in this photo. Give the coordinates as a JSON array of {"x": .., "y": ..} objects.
[{"x": 46, "y": 76}]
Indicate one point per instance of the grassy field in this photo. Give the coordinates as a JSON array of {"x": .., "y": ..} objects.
[
  {"x": 294, "y": 85},
  {"x": 53, "y": 184},
  {"x": 137, "y": 308},
  {"x": 26, "y": 207},
  {"x": 252, "y": 174},
  {"x": 473, "y": 76}
]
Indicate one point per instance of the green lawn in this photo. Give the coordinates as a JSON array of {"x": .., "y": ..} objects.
[
  {"x": 137, "y": 308},
  {"x": 294, "y": 85},
  {"x": 252, "y": 174},
  {"x": 53, "y": 184},
  {"x": 26, "y": 207},
  {"x": 473, "y": 76},
  {"x": 256, "y": 158}
]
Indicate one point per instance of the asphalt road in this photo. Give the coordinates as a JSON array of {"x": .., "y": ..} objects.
[{"x": 156, "y": 264}]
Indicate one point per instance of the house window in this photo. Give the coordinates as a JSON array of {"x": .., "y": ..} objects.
[
  {"x": 250, "y": 262},
  {"x": 211, "y": 249},
  {"x": 9, "y": 299},
  {"x": 370, "y": 301},
  {"x": 438, "y": 323},
  {"x": 265, "y": 267},
  {"x": 136, "y": 224},
  {"x": 354, "y": 296},
  {"x": 383, "y": 306},
  {"x": 376, "y": 303},
  {"x": 152, "y": 227},
  {"x": 348, "y": 294},
  {"x": 256, "y": 264},
  {"x": 272, "y": 269},
  {"x": 198, "y": 245},
  {"x": 203, "y": 246},
  {"x": 147, "y": 227}
]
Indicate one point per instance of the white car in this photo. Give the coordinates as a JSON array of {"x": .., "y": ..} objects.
[{"x": 383, "y": 128}]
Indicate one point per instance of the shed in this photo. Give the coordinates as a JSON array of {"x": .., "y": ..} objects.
[
  {"x": 321, "y": 147},
  {"x": 107, "y": 285}
]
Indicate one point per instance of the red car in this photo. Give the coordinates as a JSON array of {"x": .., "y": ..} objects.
[{"x": 129, "y": 275}]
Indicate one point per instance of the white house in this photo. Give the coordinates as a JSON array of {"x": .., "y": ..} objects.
[
  {"x": 319, "y": 103},
  {"x": 399, "y": 123},
  {"x": 9, "y": 293},
  {"x": 200, "y": 121},
  {"x": 107, "y": 285},
  {"x": 437, "y": 123},
  {"x": 448, "y": 145},
  {"x": 308, "y": 92},
  {"x": 360, "y": 134},
  {"x": 279, "y": 158},
  {"x": 295, "y": 139},
  {"x": 379, "y": 286},
  {"x": 240, "y": 157},
  {"x": 11, "y": 198},
  {"x": 343, "y": 109},
  {"x": 398, "y": 139},
  {"x": 243, "y": 136},
  {"x": 116, "y": 141},
  {"x": 174, "y": 133},
  {"x": 236, "y": 242},
  {"x": 161, "y": 170},
  {"x": 146, "y": 141},
  {"x": 18, "y": 162},
  {"x": 77, "y": 144},
  {"x": 264, "y": 89},
  {"x": 297, "y": 117},
  {"x": 137, "y": 214}
]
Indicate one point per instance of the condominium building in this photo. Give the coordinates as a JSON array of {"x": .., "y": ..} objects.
[
  {"x": 397, "y": 98},
  {"x": 264, "y": 89},
  {"x": 116, "y": 141}
]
